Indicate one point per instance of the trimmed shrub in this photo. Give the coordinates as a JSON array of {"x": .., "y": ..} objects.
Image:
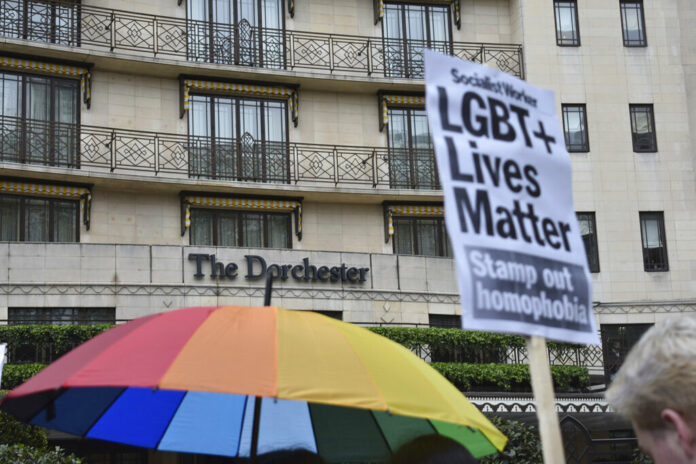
[{"x": 523, "y": 447}]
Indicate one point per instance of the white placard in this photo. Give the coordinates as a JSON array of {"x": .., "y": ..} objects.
[{"x": 506, "y": 177}]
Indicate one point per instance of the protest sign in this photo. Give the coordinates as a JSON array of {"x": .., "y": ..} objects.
[{"x": 506, "y": 177}]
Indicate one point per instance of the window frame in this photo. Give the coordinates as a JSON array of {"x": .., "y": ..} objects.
[
  {"x": 626, "y": 41},
  {"x": 560, "y": 41},
  {"x": 52, "y": 124},
  {"x": 441, "y": 232},
  {"x": 22, "y": 28},
  {"x": 51, "y": 217},
  {"x": 213, "y": 29},
  {"x": 648, "y": 108},
  {"x": 407, "y": 69},
  {"x": 238, "y": 214},
  {"x": 664, "y": 265},
  {"x": 593, "y": 267},
  {"x": 77, "y": 310},
  {"x": 445, "y": 321},
  {"x": 210, "y": 102},
  {"x": 585, "y": 148},
  {"x": 413, "y": 153}
]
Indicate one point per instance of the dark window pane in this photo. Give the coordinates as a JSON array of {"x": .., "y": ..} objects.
[
  {"x": 333, "y": 314},
  {"x": 227, "y": 230},
  {"x": 278, "y": 230},
  {"x": 617, "y": 341},
  {"x": 575, "y": 128},
  {"x": 201, "y": 227},
  {"x": 9, "y": 218},
  {"x": 633, "y": 24},
  {"x": 643, "y": 128},
  {"x": 64, "y": 221},
  {"x": 252, "y": 230},
  {"x": 652, "y": 230},
  {"x": 403, "y": 237},
  {"x": 36, "y": 220},
  {"x": 588, "y": 231},
  {"x": 566, "y": 16},
  {"x": 445, "y": 321}
]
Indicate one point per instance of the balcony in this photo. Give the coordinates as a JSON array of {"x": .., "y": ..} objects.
[
  {"x": 244, "y": 159},
  {"x": 138, "y": 34}
]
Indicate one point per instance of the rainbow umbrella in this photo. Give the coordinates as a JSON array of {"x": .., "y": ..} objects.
[{"x": 237, "y": 381}]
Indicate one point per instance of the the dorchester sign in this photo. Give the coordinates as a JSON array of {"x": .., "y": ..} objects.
[{"x": 256, "y": 267}]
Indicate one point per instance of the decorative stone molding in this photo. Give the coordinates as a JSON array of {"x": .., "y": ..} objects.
[
  {"x": 212, "y": 290},
  {"x": 510, "y": 404}
]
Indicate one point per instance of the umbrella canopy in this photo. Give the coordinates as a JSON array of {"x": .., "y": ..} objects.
[{"x": 233, "y": 381}]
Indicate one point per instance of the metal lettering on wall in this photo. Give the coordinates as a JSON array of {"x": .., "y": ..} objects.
[{"x": 257, "y": 268}]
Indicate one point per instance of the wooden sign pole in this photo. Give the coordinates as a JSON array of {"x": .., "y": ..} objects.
[{"x": 544, "y": 398}]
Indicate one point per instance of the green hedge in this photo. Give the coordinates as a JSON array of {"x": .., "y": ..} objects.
[
  {"x": 466, "y": 377},
  {"x": 523, "y": 446},
  {"x": 456, "y": 345},
  {"x": 20, "y": 454},
  {"x": 60, "y": 338},
  {"x": 15, "y": 374},
  {"x": 509, "y": 377}
]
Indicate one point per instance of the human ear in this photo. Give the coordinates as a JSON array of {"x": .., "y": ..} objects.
[{"x": 685, "y": 432}]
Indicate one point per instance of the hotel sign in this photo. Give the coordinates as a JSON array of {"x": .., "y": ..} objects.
[{"x": 256, "y": 267}]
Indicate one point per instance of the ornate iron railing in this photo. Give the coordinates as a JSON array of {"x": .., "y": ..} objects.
[
  {"x": 80, "y": 25},
  {"x": 240, "y": 159},
  {"x": 584, "y": 356},
  {"x": 39, "y": 142}
]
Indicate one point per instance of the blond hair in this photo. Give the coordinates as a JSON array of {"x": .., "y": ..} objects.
[{"x": 659, "y": 373}]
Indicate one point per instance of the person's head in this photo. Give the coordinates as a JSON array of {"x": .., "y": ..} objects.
[
  {"x": 656, "y": 389},
  {"x": 432, "y": 449},
  {"x": 290, "y": 456}
]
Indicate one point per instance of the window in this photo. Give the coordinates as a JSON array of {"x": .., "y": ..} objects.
[
  {"x": 242, "y": 32},
  {"x": 633, "y": 24},
  {"x": 445, "y": 321},
  {"x": 617, "y": 341},
  {"x": 36, "y": 219},
  {"x": 643, "y": 128},
  {"x": 652, "y": 231},
  {"x": 61, "y": 316},
  {"x": 39, "y": 119},
  {"x": 567, "y": 29},
  {"x": 235, "y": 138},
  {"x": 575, "y": 128},
  {"x": 411, "y": 157},
  {"x": 588, "y": 232},
  {"x": 421, "y": 236},
  {"x": 211, "y": 227},
  {"x": 42, "y": 21},
  {"x": 408, "y": 29},
  {"x": 332, "y": 314}
]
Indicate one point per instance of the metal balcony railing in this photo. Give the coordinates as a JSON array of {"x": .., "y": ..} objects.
[
  {"x": 198, "y": 157},
  {"x": 78, "y": 25}
]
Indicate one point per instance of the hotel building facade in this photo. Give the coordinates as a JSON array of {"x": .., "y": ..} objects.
[{"x": 165, "y": 154}]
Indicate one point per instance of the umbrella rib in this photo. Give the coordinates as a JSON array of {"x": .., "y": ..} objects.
[
  {"x": 367, "y": 371},
  {"x": 381, "y": 432},
  {"x": 171, "y": 419},
  {"x": 101, "y": 414},
  {"x": 60, "y": 392}
]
